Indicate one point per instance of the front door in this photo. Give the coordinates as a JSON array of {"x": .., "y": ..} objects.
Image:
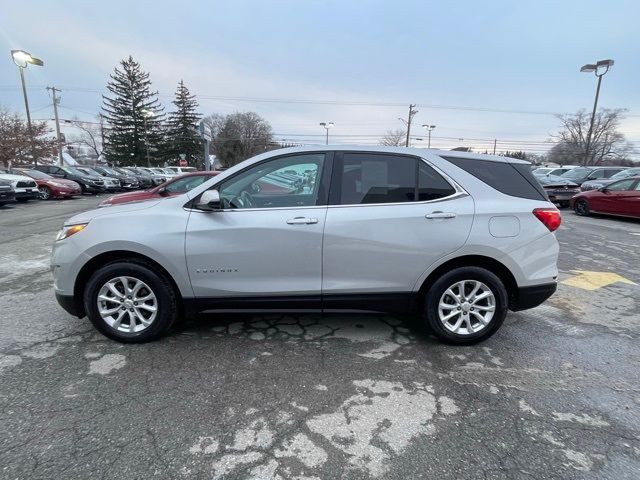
[
  {"x": 394, "y": 216},
  {"x": 621, "y": 197},
  {"x": 267, "y": 240}
]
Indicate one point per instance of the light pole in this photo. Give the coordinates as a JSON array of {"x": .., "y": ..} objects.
[
  {"x": 429, "y": 128},
  {"x": 327, "y": 126},
  {"x": 599, "y": 69},
  {"x": 22, "y": 59},
  {"x": 146, "y": 114}
]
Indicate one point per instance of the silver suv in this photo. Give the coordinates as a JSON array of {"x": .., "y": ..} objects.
[{"x": 457, "y": 238}]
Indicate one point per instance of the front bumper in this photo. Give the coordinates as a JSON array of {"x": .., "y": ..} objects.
[
  {"x": 65, "y": 192},
  {"x": 28, "y": 195},
  {"x": 532, "y": 296},
  {"x": 70, "y": 305},
  {"x": 7, "y": 196}
]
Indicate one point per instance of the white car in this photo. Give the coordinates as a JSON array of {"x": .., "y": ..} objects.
[
  {"x": 181, "y": 170},
  {"x": 454, "y": 237},
  {"x": 546, "y": 171},
  {"x": 25, "y": 187}
]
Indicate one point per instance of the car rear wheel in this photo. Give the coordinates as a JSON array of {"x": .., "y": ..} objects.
[
  {"x": 581, "y": 207},
  {"x": 466, "y": 305},
  {"x": 45, "y": 193},
  {"x": 130, "y": 302}
]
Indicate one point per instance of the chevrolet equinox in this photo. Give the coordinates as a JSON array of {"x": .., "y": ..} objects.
[{"x": 456, "y": 238}]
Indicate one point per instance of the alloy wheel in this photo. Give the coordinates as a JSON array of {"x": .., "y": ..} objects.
[
  {"x": 45, "y": 193},
  {"x": 466, "y": 307},
  {"x": 127, "y": 304}
]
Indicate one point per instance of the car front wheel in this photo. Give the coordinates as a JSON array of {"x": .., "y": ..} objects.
[
  {"x": 45, "y": 193},
  {"x": 130, "y": 302},
  {"x": 581, "y": 207},
  {"x": 466, "y": 305}
]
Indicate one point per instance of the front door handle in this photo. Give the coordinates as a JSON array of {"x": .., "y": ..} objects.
[
  {"x": 302, "y": 221},
  {"x": 440, "y": 215}
]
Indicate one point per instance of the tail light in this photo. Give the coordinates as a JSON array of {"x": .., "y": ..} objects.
[{"x": 549, "y": 216}]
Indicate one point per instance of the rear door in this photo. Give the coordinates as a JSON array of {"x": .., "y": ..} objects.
[{"x": 390, "y": 217}]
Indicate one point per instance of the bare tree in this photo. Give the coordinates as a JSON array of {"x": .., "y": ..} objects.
[
  {"x": 240, "y": 136},
  {"x": 607, "y": 144},
  {"x": 89, "y": 135},
  {"x": 15, "y": 142},
  {"x": 394, "y": 138}
]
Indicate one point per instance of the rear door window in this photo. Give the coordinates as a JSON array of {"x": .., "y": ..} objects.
[{"x": 370, "y": 178}]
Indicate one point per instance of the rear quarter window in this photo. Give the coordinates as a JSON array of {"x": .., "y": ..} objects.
[{"x": 514, "y": 179}]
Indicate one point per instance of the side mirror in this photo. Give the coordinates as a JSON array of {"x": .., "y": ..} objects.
[
  {"x": 603, "y": 189},
  {"x": 162, "y": 191},
  {"x": 209, "y": 201}
]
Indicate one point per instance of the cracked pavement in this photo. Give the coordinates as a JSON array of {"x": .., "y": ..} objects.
[{"x": 555, "y": 394}]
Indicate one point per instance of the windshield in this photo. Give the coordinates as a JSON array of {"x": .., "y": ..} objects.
[
  {"x": 577, "y": 172},
  {"x": 541, "y": 171},
  {"x": 626, "y": 173},
  {"x": 38, "y": 175},
  {"x": 109, "y": 171},
  {"x": 73, "y": 171}
]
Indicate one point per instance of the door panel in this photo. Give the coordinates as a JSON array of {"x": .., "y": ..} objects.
[
  {"x": 268, "y": 238},
  {"x": 255, "y": 252},
  {"x": 385, "y": 248}
]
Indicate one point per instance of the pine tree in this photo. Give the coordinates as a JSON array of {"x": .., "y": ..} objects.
[
  {"x": 182, "y": 137},
  {"x": 134, "y": 117}
]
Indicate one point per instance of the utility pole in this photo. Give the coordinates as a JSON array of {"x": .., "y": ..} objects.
[
  {"x": 100, "y": 116},
  {"x": 495, "y": 142},
  {"x": 54, "y": 90},
  {"x": 412, "y": 112}
]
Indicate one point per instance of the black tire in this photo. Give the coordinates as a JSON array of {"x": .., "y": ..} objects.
[
  {"x": 167, "y": 303},
  {"x": 581, "y": 207},
  {"x": 435, "y": 293},
  {"x": 45, "y": 193}
]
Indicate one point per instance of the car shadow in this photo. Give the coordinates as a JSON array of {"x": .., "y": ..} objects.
[{"x": 359, "y": 328}]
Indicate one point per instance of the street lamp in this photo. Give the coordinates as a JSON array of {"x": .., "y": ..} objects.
[
  {"x": 146, "y": 113},
  {"x": 327, "y": 126},
  {"x": 429, "y": 128},
  {"x": 599, "y": 69},
  {"x": 22, "y": 59}
]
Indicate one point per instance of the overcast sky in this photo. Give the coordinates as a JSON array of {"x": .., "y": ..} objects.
[{"x": 493, "y": 55}]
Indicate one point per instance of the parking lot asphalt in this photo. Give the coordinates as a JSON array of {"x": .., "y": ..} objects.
[{"x": 555, "y": 394}]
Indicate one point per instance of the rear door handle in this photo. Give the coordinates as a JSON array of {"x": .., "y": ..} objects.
[
  {"x": 302, "y": 221},
  {"x": 440, "y": 215}
]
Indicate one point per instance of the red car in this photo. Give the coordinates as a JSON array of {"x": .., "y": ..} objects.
[
  {"x": 619, "y": 198},
  {"x": 51, "y": 187},
  {"x": 176, "y": 186}
]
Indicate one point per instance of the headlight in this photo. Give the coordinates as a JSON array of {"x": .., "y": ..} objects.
[{"x": 67, "y": 230}]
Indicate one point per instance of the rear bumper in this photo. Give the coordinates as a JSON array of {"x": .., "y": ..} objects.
[
  {"x": 561, "y": 196},
  {"x": 530, "y": 297},
  {"x": 69, "y": 304}
]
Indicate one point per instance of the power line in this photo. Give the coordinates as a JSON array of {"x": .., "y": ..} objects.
[{"x": 352, "y": 103}]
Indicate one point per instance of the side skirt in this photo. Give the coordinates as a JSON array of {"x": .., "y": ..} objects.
[{"x": 398, "y": 303}]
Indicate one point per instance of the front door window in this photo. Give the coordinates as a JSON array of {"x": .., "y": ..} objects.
[{"x": 291, "y": 181}]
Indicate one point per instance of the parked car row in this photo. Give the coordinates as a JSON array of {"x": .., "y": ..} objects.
[
  {"x": 55, "y": 181},
  {"x": 594, "y": 189}
]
